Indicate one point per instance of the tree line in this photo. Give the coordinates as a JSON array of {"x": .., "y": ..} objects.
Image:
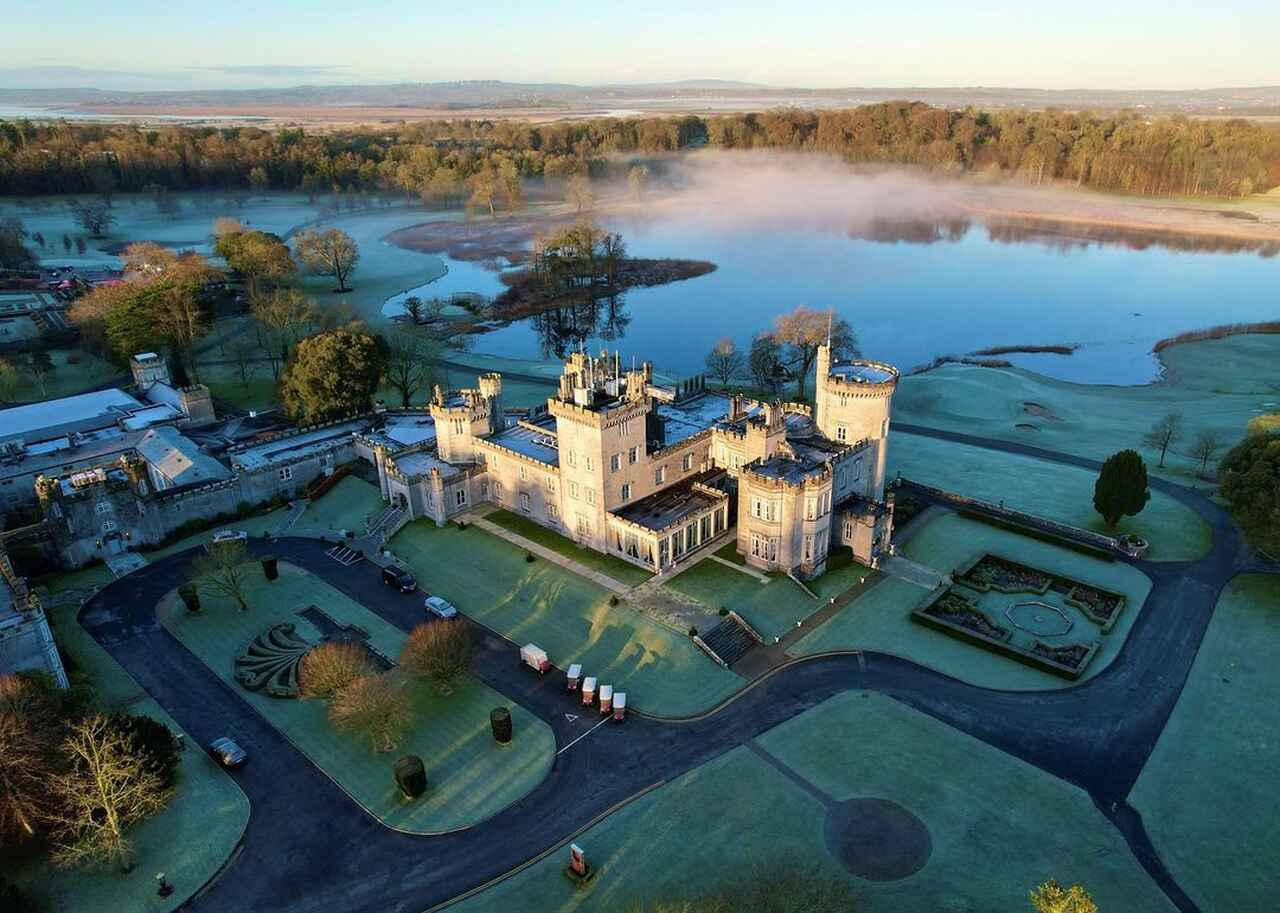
[{"x": 484, "y": 160}]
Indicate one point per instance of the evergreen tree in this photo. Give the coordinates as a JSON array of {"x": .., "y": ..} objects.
[
  {"x": 333, "y": 374},
  {"x": 1121, "y": 489}
]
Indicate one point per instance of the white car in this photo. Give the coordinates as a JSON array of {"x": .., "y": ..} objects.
[
  {"x": 230, "y": 535},
  {"x": 441, "y": 608}
]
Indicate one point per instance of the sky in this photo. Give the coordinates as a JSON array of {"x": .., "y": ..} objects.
[{"x": 1088, "y": 44}]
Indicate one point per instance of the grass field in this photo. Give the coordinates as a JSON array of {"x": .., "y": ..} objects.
[
  {"x": 567, "y": 615},
  {"x": 1050, "y": 490},
  {"x": 1218, "y": 385},
  {"x": 879, "y": 619},
  {"x": 471, "y": 777},
  {"x": 67, "y": 378},
  {"x": 772, "y": 608},
  {"x": 189, "y": 840},
  {"x": 1207, "y": 794},
  {"x": 622, "y": 571},
  {"x": 343, "y": 507},
  {"x": 986, "y": 813}
]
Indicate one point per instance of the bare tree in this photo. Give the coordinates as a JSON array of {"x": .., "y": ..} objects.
[
  {"x": 724, "y": 361},
  {"x": 40, "y": 364},
  {"x": 578, "y": 192},
  {"x": 411, "y": 354},
  {"x": 95, "y": 218},
  {"x": 1206, "y": 446},
  {"x": 438, "y": 649},
  {"x": 415, "y": 309},
  {"x": 108, "y": 788},
  {"x": 803, "y": 330},
  {"x": 242, "y": 357},
  {"x": 224, "y": 570},
  {"x": 282, "y": 319},
  {"x": 328, "y": 253},
  {"x": 374, "y": 706},
  {"x": 29, "y": 733},
  {"x": 1166, "y": 430},
  {"x": 330, "y": 667}
]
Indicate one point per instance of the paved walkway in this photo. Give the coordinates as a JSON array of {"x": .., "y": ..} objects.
[
  {"x": 551, "y": 555},
  {"x": 921, "y": 575},
  {"x": 741, "y": 568}
]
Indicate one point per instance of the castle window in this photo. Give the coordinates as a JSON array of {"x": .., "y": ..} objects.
[
  {"x": 108, "y": 525},
  {"x": 572, "y": 457},
  {"x": 591, "y": 496},
  {"x": 807, "y": 554},
  {"x": 764, "y": 510},
  {"x": 102, "y": 507},
  {"x": 659, "y": 475},
  {"x": 552, "y": 512},
  {"x": 573, "y": 489},
  {"x": 286, "y": 473},
  {"x": 764, "y": 547},
  {"x": 457, "y": 426},
  {"x": 588, "y": 463},
  {"x": 842, "y": 433},
  {"x": 626, "y": 492},
  {"x": 633, "y": 455},
  {"x": 525, "y": 504},
  {"x": 686, "y": 463},
  {"x": 551, "y": 484},
  {"x": 811, "y": 508},
  {"x": 497, "y": 488},
  {"x": 624, "y": 427},
  {"x": 615, "y": 462},
  {"x": 524, "y": 473},
  {"x": 460, "y": 497}
]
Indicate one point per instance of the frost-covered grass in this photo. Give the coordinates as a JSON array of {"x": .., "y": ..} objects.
[
  {"x": 1207, "y": 793},
  {"x": 471, "y": 777},
  {"x": 986, "y": 813},
  {"x": 1051, "y": 490},
  {"x": 1217, "y": 384}
]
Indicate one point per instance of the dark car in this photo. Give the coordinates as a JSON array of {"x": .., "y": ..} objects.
[
  {"x": 399, "y": 578},
  {"x": 227, "y": 753}
]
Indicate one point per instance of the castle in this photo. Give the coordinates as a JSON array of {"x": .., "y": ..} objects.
[{"x": 652, "y": 473}]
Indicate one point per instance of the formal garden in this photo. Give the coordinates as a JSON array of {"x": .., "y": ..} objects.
[
  {"x": 355, "y": 694},
  {"x": 1010, "y": 592},
  {"x": 1047, "y": 621}
]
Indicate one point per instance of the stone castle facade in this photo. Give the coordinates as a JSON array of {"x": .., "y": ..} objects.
[{"x": 651, "y": 473}]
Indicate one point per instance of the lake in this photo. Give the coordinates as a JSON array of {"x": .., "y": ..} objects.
[{"x": 908, "y": 300}]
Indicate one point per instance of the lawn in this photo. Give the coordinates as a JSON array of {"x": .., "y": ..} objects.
[
  {"x": 567, "y": 615},
  {"x": 343, "y": 507},
  {"x": 1050, "y": 490},
  {"x": 879, "y": 619},
  {"x": 188, "y": 841},
  {"x": 471, "y": 777},
  {"x": 772, "y": 608},
  {"x": 1207, "y": 794},
  {"x": 988, "y": 827},
  {"x": 1217, "y": 384},
  {"x": 68, "y": 378},
  {"x": 619, "y": 570}
]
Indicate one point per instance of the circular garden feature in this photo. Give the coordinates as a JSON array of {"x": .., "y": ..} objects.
[
  {"x": 877, "y": 839},
  {"x": 1038, "y": 618}
]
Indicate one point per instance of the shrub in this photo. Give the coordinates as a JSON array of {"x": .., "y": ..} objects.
[
  {"x": 693, "y": 632},
  {"x": 330, "y": 667},
  {"x": 375, "y": 706},
  {"x": 152, "y": 742},
  {"x": 438, "y": 649}
]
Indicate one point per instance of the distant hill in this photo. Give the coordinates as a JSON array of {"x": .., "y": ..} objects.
[{"x": 682, "y": 95}]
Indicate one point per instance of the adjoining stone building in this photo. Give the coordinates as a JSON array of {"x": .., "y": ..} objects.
[{"x": 651, "y": 473}]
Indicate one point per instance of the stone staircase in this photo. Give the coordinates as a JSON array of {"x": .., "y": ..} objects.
[
  {"x": 386, "y": 524},
  {"x": 730, "y": 640}
]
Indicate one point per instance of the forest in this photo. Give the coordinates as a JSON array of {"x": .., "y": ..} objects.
[{"x": 448, "y": 160}]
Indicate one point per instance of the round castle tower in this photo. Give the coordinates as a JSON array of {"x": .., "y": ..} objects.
[{"x": 853, "y": 400}]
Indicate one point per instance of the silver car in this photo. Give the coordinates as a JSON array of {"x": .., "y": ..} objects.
[{"x": 441, "y": 608}]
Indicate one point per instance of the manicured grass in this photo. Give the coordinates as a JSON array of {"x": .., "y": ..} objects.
[
  {"x": 879, "y": 619},
  {"x": 343, "y": 507},
  {"x": 1217, "y": 384},
  {"x": 1207, "y": 794},
  {"x": 67, "y": 379},
  {"x": 608, "y": 565},
  {"x": 567, "y": 615},
  {"x": 772, "y": 608},
  {"x": 999, "y": 827},
  {"x": 471, "y": 777},
  {"x": 1050, "y": 490},
  {"x": 189, "y": 840}
]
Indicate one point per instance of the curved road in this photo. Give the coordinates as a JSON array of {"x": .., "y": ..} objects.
[{"x": 310, "y": 847}]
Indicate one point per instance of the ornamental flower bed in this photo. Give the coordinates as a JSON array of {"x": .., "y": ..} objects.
[
  {"x": 1100, "y": 606},
  {"x": 992, "y": 573},
  {"x": 957, "y": 610},
  {"x": 1073, "y": 656}
]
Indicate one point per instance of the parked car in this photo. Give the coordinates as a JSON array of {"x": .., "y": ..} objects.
[
  {"x": 441, "y": 608},
  {"x": 399, "y": 578},
  {"x": 227, "y": 753},
  {"x": 230, "y": 535}
]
